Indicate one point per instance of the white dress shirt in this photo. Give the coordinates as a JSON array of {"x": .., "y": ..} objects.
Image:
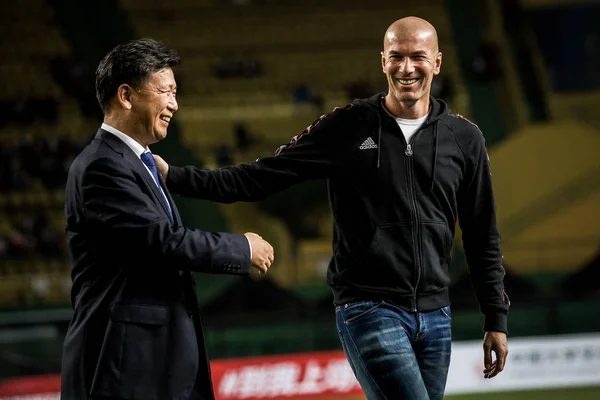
[{"x": 138, "y": 149}]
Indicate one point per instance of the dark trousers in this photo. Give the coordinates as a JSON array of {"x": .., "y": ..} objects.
[
  {"x": 194, "y": 396},
  {"x": 105, "y": 398}
]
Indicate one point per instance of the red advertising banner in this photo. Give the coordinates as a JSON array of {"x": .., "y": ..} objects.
[
  {"x": 308, "y": 375},
  {"x": 45, "y": 387}
]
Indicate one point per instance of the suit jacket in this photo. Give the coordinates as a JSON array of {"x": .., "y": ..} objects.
[{"x": 135, "y": 331}]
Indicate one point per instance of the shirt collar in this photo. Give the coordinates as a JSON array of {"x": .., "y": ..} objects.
[{"x": 137, "y": 148}]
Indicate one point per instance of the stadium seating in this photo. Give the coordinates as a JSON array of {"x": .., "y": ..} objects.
[
  {"x": 546, "y": 187},
  {"x": 327, "y": 45},
  {"x": 33, "y": 42}
]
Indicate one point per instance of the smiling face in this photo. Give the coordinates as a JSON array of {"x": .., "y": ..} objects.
[
  {"x": 410, "y": 59},
  {"x": 153, "y": 105}
]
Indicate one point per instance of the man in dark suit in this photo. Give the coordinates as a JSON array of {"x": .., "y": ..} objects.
[{"x": 136, "y": 331}]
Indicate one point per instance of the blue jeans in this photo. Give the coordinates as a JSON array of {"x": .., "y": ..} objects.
[{"x": 396, "y": 354}]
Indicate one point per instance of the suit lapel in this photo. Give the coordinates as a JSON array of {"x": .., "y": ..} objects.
[
  {"x": 120, "y": 147},
  {"x": 174, "y": 210}
]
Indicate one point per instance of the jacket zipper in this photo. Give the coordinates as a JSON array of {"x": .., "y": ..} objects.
[{"x": 409, "y": 152}]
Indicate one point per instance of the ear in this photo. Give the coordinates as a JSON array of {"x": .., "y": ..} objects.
[
  {"x": 382, "y": 62},
  {"x": 437, "y": 66},
  {"x": 124, "y": 95}
]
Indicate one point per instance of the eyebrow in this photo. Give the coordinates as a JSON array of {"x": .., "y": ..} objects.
[
  {"x": 414, "y": 53},
  {"x": 167, "y": 87}
]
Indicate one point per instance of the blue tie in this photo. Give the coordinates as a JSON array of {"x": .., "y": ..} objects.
[{"x": 149, "y": 161}]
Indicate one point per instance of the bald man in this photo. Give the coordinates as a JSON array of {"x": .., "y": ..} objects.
[{"x": 400, "y": 168}]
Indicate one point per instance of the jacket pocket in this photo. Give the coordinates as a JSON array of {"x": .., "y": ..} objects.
[
  {"x": 140, "y": 314},
  {"x": 436, "y": 242},
  {"x": 133, "y": 360},
  {"x": 389, "y": 259}
]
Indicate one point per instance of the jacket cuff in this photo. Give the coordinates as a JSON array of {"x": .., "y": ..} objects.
[
  {"x": 233, "y": 257},
  {"x": 172, "y": 174},
  {"x": 496, "y": 321}
]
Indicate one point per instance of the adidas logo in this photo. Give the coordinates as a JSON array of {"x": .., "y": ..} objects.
[{"x": 368, "y": 144}]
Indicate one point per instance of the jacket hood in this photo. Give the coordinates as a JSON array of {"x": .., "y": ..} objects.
[{"x": 438, "y": 110}]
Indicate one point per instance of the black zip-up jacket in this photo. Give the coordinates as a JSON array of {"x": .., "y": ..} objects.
[{"x": 394, "y": 204}]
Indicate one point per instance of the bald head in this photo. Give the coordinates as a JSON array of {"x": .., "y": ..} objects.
[
  {"x": 411, "y": 28},
  {"x": 410, "y": 59}
]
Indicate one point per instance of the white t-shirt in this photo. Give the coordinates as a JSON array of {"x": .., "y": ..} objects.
[
  {"x": 407, "y": 126},
  {"x": 410, "y": 126}
]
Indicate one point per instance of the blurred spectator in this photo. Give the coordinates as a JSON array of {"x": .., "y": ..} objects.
[
  {"x": 250, "y": 68},
  {"x": 243, "y": 138},
  {"x": 19, "y": 245},
  {"x": 48, "y": 241},
  {"x": 5, "y": 231},
  {"x": 74, "y": 78},
  {"x": 51, "y": 243},
  {"x": 12, "y": 174},
  {"x": 30, "y": 235},
  {"x": 226, "y": 68},
  {"x": 305, "y": 94},
  {"x": 223, "y": 155},
  {"x": 40, "y": 286},
  {"x": 47, "y": 161},
  {"x": 237, "y": 68},
  {"x": 47, "y": 158},
  {"x": 441, "y": 88},
  {"x": 28, "y": 111},
  {"x": 486, "y": 63},
  {"x": 568, "y": 36},
  {"x": 358, "y": 90}
]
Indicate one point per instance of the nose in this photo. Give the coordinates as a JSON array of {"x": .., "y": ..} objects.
[
  {"x": 407, "y": 66},
  {"x": 173, "y": 105}
]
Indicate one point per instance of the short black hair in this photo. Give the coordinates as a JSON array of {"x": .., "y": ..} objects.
[{"x": 131, "y": 62}]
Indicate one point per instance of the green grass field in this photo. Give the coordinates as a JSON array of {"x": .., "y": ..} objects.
[{"x": 584, "y": 393}]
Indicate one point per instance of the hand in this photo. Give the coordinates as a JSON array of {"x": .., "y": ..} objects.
[
  {"x": 494, "y": 342},
  {"x": 161, "y": 166},
  {"x": 262, "y": 252}
]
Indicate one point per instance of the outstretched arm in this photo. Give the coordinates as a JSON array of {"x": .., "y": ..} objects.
[
  {"x": 126, "y": 216},
  {"x": 313, "y": 154}
]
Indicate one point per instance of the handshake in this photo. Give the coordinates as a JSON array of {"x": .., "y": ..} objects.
[{"x": 262, "y": 252}]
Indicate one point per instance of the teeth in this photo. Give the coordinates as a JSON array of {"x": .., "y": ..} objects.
[
  {"x": 407, "y": 81},
  {"x": 165, "y": 118}
]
